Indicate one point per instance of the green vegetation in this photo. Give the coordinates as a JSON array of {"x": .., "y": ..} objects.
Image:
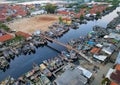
[
  {"x": 9, "y": 19},
  {"x": 114, "y": 2},
  {"x": 60, "y": 19},
  {"x": 50, "y": 8},
  {"x": 4, "y": 27},
  {"x": 82, "y": 6},
  {"x": 18, "y": 38},
  {"x": 105, "y": 81},
  {"x": 81, "y": 17},
  {"x": 97, "y": 14},
  {"x": 15, "y": 40}
]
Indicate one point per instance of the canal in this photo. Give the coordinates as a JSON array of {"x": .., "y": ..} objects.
[{"x": 23, "y": 63}]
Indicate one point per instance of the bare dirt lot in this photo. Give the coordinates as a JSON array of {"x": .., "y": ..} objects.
[{"x": 32, "y": 24}]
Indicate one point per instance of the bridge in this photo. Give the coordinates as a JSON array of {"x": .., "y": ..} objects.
[{"x": 68, "y": 47}]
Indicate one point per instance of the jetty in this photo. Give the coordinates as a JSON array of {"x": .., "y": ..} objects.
[{"x": 68, "y": 47}]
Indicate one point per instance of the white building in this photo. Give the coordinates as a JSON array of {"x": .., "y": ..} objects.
[{"x": 38, "y": 12}]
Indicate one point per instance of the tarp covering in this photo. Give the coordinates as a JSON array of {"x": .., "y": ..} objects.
[
  {"x": 90, "y": 43},
  {"x": 100, "y": 57}
]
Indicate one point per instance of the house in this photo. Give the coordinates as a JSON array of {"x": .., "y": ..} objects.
[
  {"x": 67, "y": 20},
  {"x": 86, "y": 72},
  {"x": 99, "y": 45},
  {"x": 23, "y": 34},
  {"x": 95, "y": 50},
  {"x": 113, "y": 36},
  {"x": 65, "y": 13},
  {"x": 113, "y": 83},
  {"x": 38, "y": 12},
  {"x": 118, "y": 27},
  {"x": 114, "y": 75},
  {"x": 109, "y": 49},
  {"x": 17, "y": 10},
  {"x": 82, "y": 12},
  {"x": 2, "y": 18},
  {"x": 109, "y": 73},
  {"x": 117, "y": 67},
  {"x": 71, "y": 76},
  {"x": 100, "y": 57},
  {"x": 97, "y": 8},
  {"x": 5, "y": 38}
]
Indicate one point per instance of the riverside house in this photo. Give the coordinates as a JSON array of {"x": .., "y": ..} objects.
[{"x": 5, "y": 38}]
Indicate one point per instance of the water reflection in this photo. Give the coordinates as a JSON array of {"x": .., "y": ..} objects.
[{"x": 23, "y": 63}]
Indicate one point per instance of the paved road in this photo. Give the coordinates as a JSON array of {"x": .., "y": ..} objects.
[{"x": 103, "y": 70}]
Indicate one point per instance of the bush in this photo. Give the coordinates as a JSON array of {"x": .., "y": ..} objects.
[
  {"x": 4, "y": 27},
  {"x": 81, "y": 17},
  {"x": 105, "y": 80},
  {"x": 60, "y": 19},
  {"x": 50, "y": 8}
]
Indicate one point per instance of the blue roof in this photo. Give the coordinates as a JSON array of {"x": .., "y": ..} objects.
[{"x": 90, "y": 43}]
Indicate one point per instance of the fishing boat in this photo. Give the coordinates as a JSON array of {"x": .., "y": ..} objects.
[
  {"x": 3, "y": 63},
  {"x": 49, "y": 64},
  {"x": 45, "y": 71},
  {"x": 45, "y": 80},
  {"x": 66, "y": 56},
  {"x": 58, "y": 62},
  {"x": 6, "y": 55},
  {"x": 8, "y": 81}
]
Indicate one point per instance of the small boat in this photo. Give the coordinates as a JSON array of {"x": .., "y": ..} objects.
[
  {"x": 3, "y": 63},
  {"x": 45, "y": 71},
  {"x": 44, "y": 80},
  {"x": 66, "y": 56},
  {"x": 8, "y": 81}
]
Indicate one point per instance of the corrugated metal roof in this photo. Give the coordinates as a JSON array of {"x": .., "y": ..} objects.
[{"x": 71, "y": 77}]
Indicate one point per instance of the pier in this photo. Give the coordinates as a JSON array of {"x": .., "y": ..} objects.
[{"x": 68, "y": 47}]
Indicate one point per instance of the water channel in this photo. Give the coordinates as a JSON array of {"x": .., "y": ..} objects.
[{"x": 23, "y": 63}]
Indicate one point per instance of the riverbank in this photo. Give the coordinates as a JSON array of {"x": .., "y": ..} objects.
[
  {"x": 114, "y": 23},
  {"x": 41, "y": 52},
  {"x": 94, "y": 45}
]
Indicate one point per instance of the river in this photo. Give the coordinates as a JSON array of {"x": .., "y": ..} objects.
[{"x": 23, "y": 63}]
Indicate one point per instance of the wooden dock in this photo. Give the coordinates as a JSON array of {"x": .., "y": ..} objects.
[{"x": 68, "y": 47}]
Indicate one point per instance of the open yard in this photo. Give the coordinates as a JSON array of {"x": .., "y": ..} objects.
[{"x": 29, "y": 25}]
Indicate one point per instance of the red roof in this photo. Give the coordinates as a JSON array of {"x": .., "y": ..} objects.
[
  {"x": 19, "y": 11},
  {"x": 115, "y": 76},
  {"x": 97, "y": 9},
  {"x": 16, "y": 7},
  {"x": 2, "y": 17},
  {"x": 113, "y": 83},
  {"x": 22, "y": 13},
  {"x": 117, "y": 67},
  {"x": 63, "y": 12},
  {"x": 25, "y": 35},
  {"x": 5, "y": 37},
  {"x": 95, "y": 50}
]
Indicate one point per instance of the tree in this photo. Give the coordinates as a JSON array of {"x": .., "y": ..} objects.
[
  {"x": 9, "y": 19},
  {"x": 81, "y": 17},
  {"x": 3, "y": 26},
  {"x": 60, "y": 19},
  {"x": 97, "y": 14},
  {"x": 50, "y": 8}
]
